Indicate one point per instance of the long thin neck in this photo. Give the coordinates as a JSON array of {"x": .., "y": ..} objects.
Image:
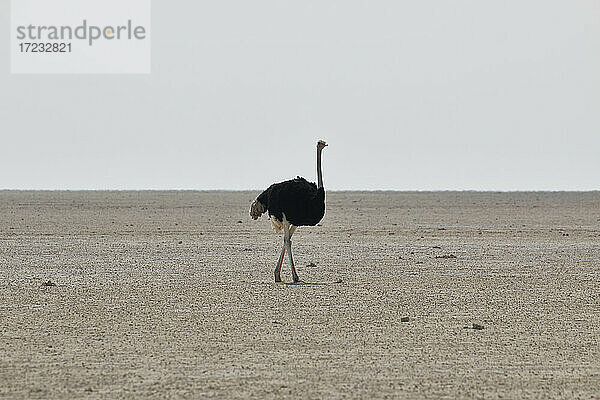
[{"x": 319, "y": 173}]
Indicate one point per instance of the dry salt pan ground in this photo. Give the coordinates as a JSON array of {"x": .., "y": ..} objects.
[{"x": 167, "y": 295}]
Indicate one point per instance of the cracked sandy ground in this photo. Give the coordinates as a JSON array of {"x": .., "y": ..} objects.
[{"x": 166, "y": 295}]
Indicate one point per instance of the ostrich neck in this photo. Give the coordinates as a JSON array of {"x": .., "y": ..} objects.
[{"x": 319, "y": 174}]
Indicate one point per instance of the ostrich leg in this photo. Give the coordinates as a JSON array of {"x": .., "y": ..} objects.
[
  {"x": 280, "y": 259},
  {"x": 287, "y": 238},
  {"x": 278, "y": 266}
]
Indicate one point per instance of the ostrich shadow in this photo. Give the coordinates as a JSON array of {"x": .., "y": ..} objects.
[{"x": 302, "y": 283}]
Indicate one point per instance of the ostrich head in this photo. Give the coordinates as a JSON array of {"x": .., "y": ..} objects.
[{"x": 321, "y": 144}]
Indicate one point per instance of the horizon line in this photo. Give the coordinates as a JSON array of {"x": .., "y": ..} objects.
[{"x": 327, "y": 190}]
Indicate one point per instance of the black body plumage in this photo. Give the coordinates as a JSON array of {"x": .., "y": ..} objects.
[{"x": 301, "y": 201}]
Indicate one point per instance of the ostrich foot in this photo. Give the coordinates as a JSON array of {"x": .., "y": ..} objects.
[
  {"x": 277, "y": 277},
  {"x": 296, "y": 279}
]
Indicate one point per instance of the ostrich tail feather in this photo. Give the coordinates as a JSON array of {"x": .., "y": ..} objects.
[{"x": 257, "y": 209}]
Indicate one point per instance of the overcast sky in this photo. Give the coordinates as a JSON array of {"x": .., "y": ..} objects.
[{"x": 410, "y": 95}]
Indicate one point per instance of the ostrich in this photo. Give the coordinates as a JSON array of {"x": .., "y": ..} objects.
[{"x": 290, "y": 204}]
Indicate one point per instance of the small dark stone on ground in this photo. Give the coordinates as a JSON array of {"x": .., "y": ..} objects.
[
  {"x": 404, "y": 319},
  {"x": 48, "y": 283},
  {"x": 477, "y": 327},
  {"x": 446, "y": 256}
]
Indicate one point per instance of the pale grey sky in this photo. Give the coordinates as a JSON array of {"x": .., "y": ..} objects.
[{"x": 410, "y": 95}]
